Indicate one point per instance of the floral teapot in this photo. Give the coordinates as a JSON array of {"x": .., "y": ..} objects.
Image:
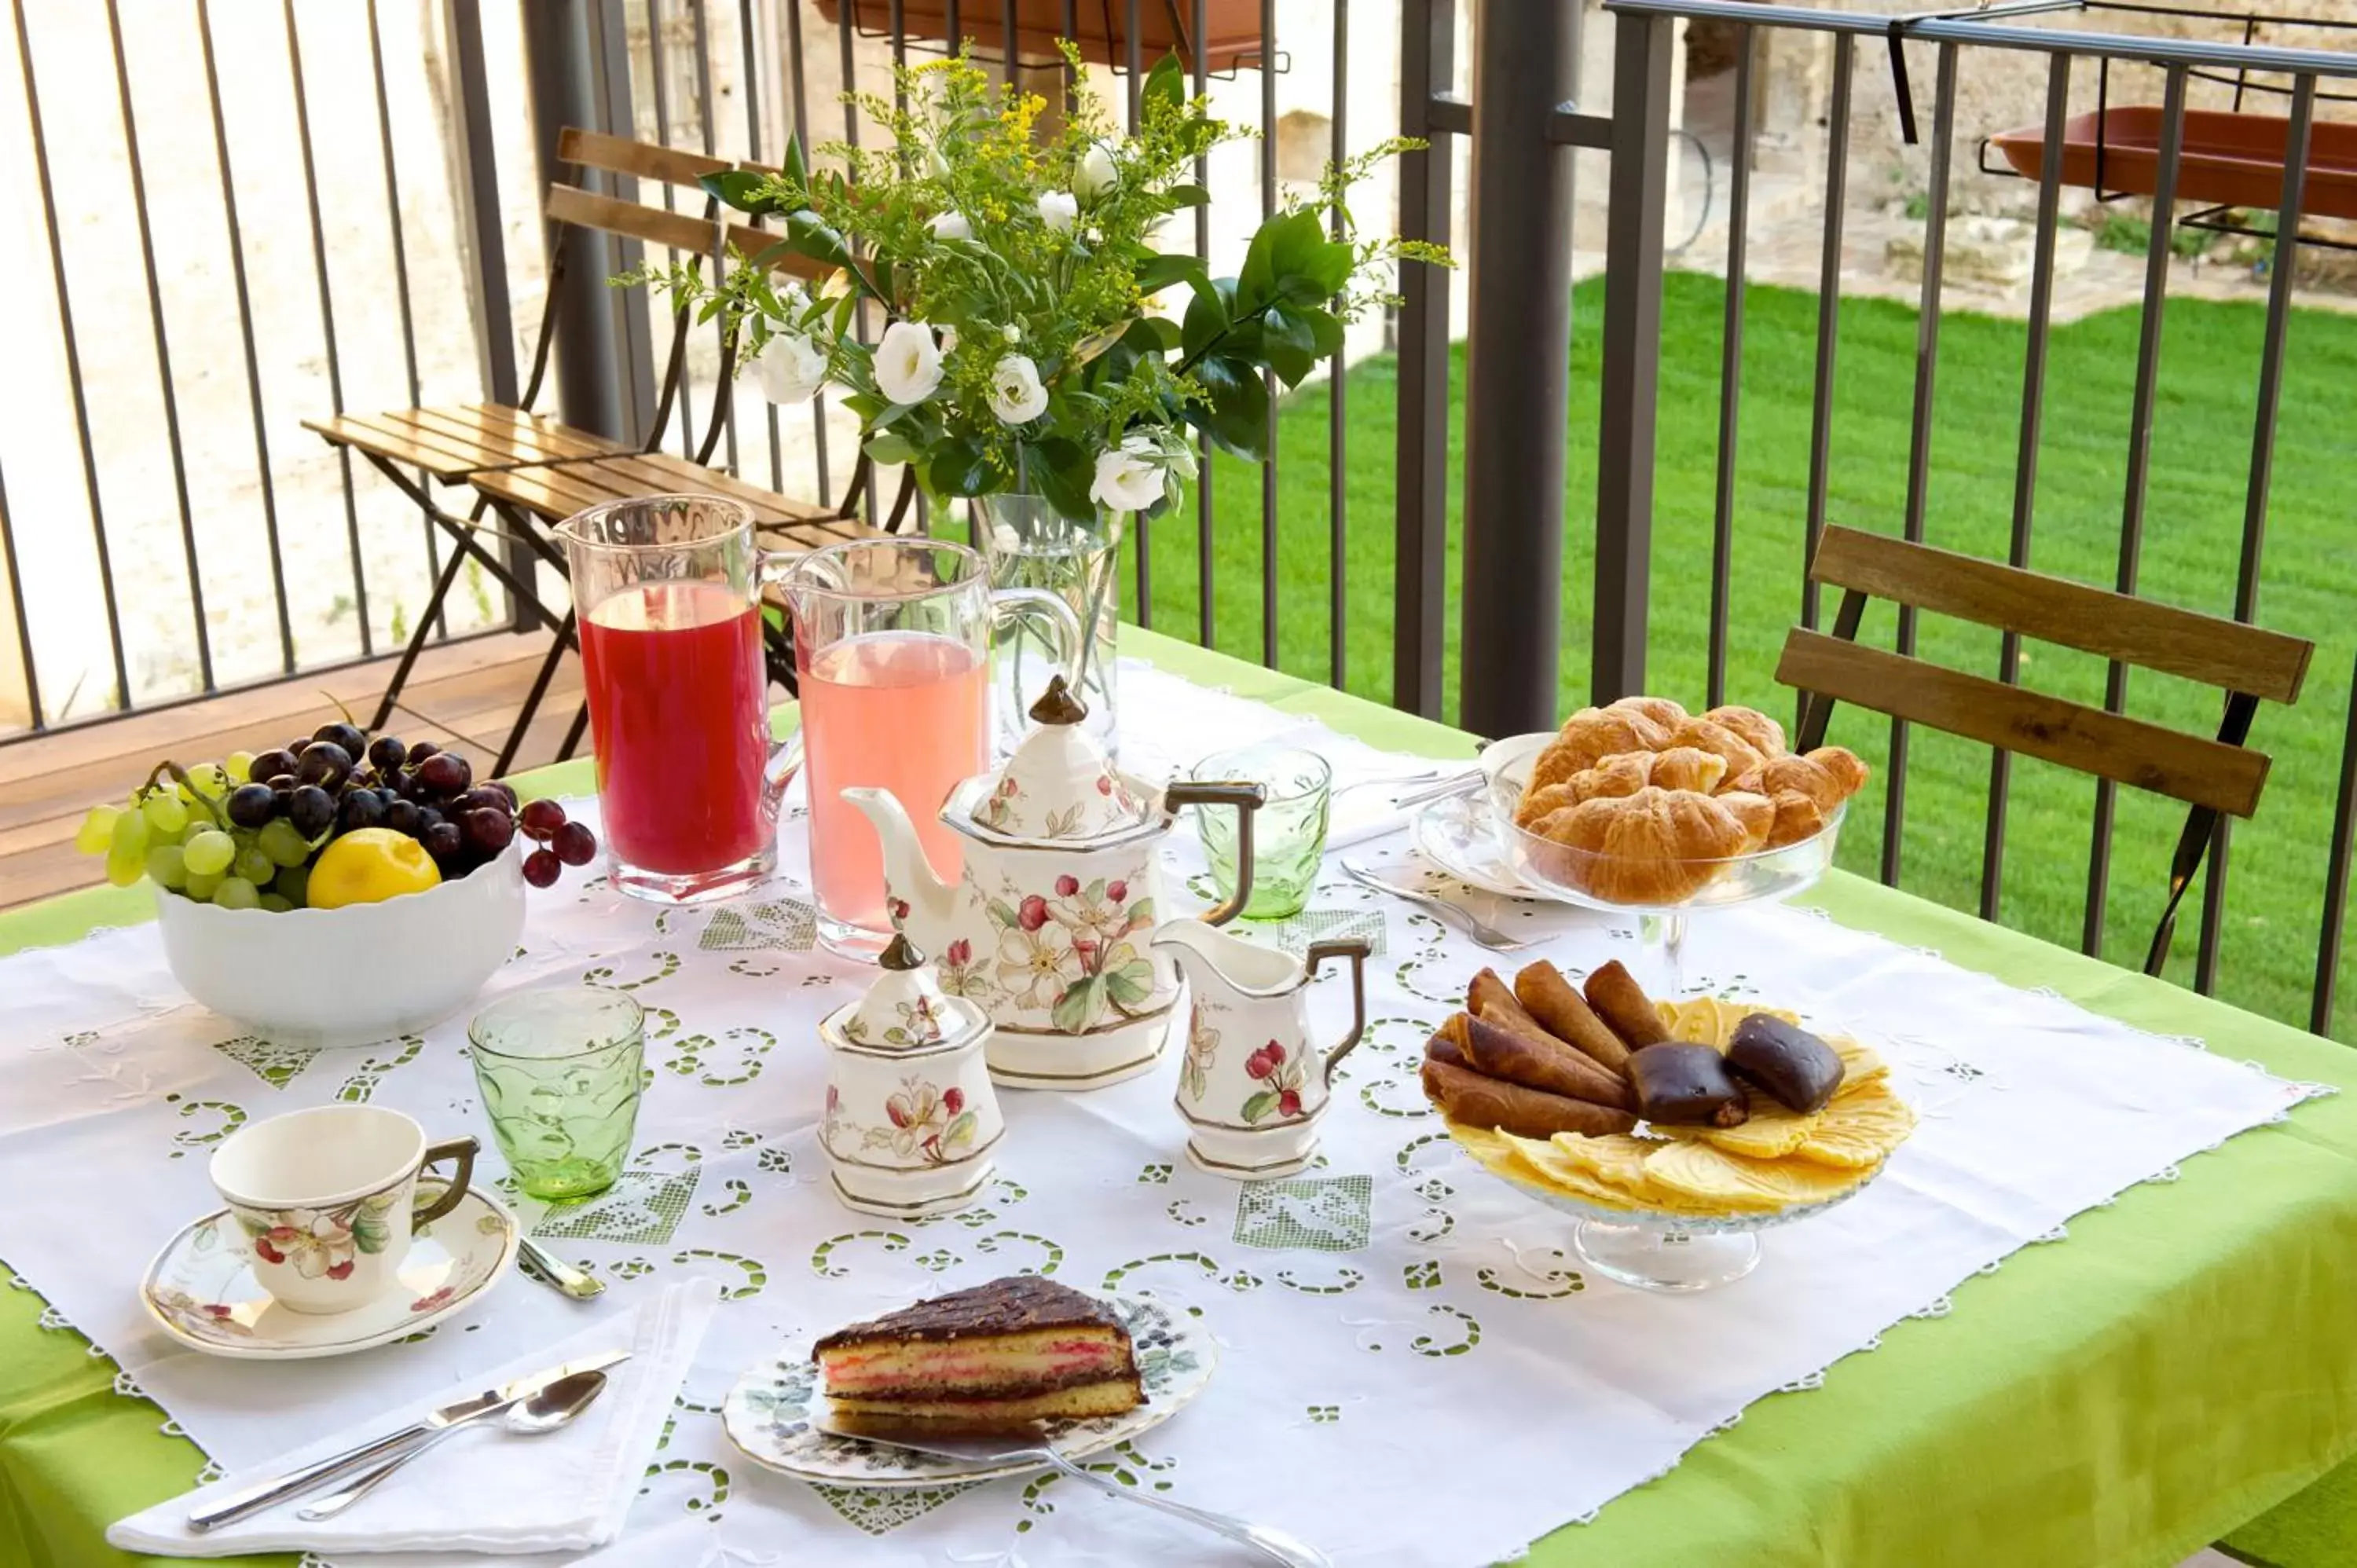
[
  {"x": 1254, "y": 1084},
  {"x": 1047, "y": 929}
]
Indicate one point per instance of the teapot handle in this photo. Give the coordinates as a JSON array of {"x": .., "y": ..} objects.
[
  {"x": 1355, "y": 948},
  {"x": 1246, "y": 799}
]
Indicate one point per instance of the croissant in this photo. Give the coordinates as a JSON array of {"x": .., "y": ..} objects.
[
  {"x": 1680, "y": 767},
  {"x": 1656, "y": 846},
  {"x": 1827, "y": 776},
  {"x": 1766, "y": 736},
  {"x": 1591, "y": 735},
  {"x": 1545, "y": 799},
  {"x": 1661, "y": 710},
  {"x": 1797, "y": 818},
  {"x": 1708, "y": 735},
  {"x": 1758, "y": 815}
]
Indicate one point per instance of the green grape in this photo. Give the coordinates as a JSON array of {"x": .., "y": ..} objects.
[
  {"x": 236, "y": 893},
  {"x": 209, "y": 853},
  {"x": 238, "y": 766},
  {"x": 97, "y": 830},
  {"x": 294, "y": 885},
  {"x": 165, "y": 813},
  {"x": 197, "y": 824},
  {"x": 202, "y": 888},
  {"x": 279, "y": 840},
  {"x": 166, "y": 866},
  {"x": 208, "y": 777},
  {"x": 275, "y": 903},
  {"x": 122, "y": 869},
  {"x": 255, "y": 865},
  {"x": 128, "y": 837}
]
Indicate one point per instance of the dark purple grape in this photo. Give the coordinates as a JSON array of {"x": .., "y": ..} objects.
[
  {"x": 403, "y": 817},
  {"x": 481, "y": 798},
  {"x": 324, "y": 763},
  {"x": 421, "y": 751},
  {"x": 428, "y": 819},
  {"x": 540, "y": 868},
  {"x": 361, "y": 808},
  {"x": 362, "y": 777},
  {"x": 252, "y": 805},
  {"x": 574, "y": 844},
  {"x": 387, "y": 753},
  {"x": 269, "y": 765},
  {"x": 507, "y": 793},
  {"x": 296, "y": 747},
  {"x": 487, "y": 831},
  {"x": 282, "y": 782},
  {"x": 446, "y": 773},
  {"x": 312, "y": 810},
  {"x": 442, "y": 841},
  {"x": 541, "y": 819},
  {"x": 347, "y": 736}
]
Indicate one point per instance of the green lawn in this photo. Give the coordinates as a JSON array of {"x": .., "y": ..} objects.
[{"x": 2201, "y": 446}]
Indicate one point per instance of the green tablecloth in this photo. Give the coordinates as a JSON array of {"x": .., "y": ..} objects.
[{"x": 2185, "y": 1361}]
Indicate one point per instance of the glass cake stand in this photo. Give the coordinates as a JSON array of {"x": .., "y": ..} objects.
[
  {"x": 1672, "y": 1253},
  {"x": 1559, "y": 871}
]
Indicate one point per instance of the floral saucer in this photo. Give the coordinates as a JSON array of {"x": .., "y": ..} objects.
[
  {"x": 767, "y": 1414},
  {"x": 202, "y": 1290}
]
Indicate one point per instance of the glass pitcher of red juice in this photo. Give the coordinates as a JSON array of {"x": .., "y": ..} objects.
[
  {"x": 667, "y": 592},
  {"x": 892, "y": 654}
]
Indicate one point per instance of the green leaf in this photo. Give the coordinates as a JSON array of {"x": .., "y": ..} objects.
[
  {"x": 1186, "y": 195},
  {"x": 741, "y": 189},
  {"x": 1260, "y": 1105},
  {"x": 1288, "y": 344},
  {"x": 1208, "y": 314},
  {"x": 1164, "y": 332},
  {"x": 1236, "y": 418},
  {"x": 1131, "y": 985},
  {"x": 1062, "y": 473},
  {"x": 957, "y": 467},
  {"x": 1285, "y": 247},
  {"x": 371, "y": 1233},
  {"x": 1160, "y": 272},
  {"x": 1077, "y": 1009},
  {"x": 1166, "y": 83},
  {"x": 1325, "y": 329},
  {"x": 961, "y": 1130},
  {"x": 809, "y": 234},
  {"x": 1003, "y": 913},
  {"x": 887, "y": 447},
  {"x": 1318, "y": 275},
  {"x": 797, "y": 172}
]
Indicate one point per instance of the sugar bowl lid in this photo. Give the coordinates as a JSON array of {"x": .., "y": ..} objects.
[
  {"x": 1059, "y": 784},
  {"x": 906, "y": 1009}
]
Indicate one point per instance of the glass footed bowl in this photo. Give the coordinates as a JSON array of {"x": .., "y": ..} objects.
[
  {"x": 1672, "y": 1253},
  {"x": 1571, "y": 874}
]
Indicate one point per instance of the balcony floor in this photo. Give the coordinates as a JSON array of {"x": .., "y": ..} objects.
[{"x": 463, "y": 697}]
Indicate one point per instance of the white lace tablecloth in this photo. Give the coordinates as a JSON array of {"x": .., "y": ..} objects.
[{"x": 1390, "y": 1318}]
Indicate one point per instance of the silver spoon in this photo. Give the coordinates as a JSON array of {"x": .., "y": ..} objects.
[
  {"x": 548, "y": 1410},
  {"x": 1270, "y": 1543},
  {"x": 1479, "y": 929}
]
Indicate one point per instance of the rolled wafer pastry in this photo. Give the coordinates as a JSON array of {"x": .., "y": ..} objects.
[
  {"x": 1542, "y": 1063},
  {"x": 1560, "y": 1009},
  {"x": 1478, "y": 1101},
  {"x": 1623, "y": 1005},
  {"x": 1440, "y": 1048}
]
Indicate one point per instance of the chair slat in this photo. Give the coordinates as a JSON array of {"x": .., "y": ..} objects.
[
  {"x": 619, "y": 155},
  {"x": 2208, "y": 649},
  {"x": 679, "y": 230},
  {"x": 553, "y": 435},
  {"x": 401, "y": 444},
  {"x": 2192, "y": 769}
]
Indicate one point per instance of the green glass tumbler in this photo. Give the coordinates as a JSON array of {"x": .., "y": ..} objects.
[
  {"x": 1288, "y": 830},
  {"x": 559, "y": 1072}
]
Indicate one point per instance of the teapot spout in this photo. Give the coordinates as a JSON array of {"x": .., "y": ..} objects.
[{"x": 908, "y": 877}]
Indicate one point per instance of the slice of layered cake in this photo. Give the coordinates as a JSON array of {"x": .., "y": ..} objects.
[{"x": 999, "y": 1356}]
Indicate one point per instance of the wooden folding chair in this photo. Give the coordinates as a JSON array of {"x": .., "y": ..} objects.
[{"x": 2211, "y": 776}]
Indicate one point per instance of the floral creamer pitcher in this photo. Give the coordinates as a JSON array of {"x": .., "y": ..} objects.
[
  {"x": 1048, "y": 926},
  {"x": 1254, "y": 1084}
]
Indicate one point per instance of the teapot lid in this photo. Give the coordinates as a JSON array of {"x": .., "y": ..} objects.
[
  {"x": 1059, "y": 784},
  {"x": 906, "y": 1008}
]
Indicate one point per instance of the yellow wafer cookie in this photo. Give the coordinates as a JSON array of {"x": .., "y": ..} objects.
[
  {"x": 1731, "y": 1183},
  {"x": 1858, "y": 1132}
]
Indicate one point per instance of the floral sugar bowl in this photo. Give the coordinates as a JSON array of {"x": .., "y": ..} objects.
[{"x": 911, "y": 1117}]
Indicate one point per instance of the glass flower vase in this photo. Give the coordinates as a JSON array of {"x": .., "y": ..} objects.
[{"x": 1028, "y": 544}]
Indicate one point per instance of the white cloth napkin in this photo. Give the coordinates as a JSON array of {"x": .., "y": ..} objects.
[{"x": 567, "y": 1490}]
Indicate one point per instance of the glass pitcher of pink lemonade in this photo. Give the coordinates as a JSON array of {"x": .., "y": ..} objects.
[
  {"x": 667, "y": 592},
  {"x": 892, "y": 653}
]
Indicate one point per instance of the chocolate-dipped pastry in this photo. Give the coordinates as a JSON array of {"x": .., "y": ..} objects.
[
  {"x": 1474, "y": 1100},
  {"x": 1623, "y": 1005},
  {"x": 1689, "y": 1086},
  {"x": 1793, "y": 1066},
  {"x": 1560, "y": 1010},
  {"x": 1542, "y": 1063}
]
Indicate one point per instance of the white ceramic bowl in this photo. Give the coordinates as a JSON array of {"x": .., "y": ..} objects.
[{"x": 348, "y": 976}]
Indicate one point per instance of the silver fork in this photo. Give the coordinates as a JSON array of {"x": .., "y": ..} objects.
[
  {"x": 1270, "y": 1543},
  {"x": 1479, "y": 929}
]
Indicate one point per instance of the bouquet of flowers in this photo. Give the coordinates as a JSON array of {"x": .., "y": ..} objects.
[{"x": 1017, "y": 275}]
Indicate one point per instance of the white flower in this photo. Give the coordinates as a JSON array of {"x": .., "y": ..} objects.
[
  {"x": 908, "y": 363},
  {"x": 1011, "y": 333},
  {"x": 951, "y": 226},
  {"x": 1097, "y": 173},
  {"x": 791, "y": 367},
  {"x": 1016, "y": 394},
  {"x": 1058, "y": 209},
  {"x": 1129, "y": 477}
]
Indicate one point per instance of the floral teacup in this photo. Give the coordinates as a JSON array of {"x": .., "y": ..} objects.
[{"x": 328, "y": 1200}]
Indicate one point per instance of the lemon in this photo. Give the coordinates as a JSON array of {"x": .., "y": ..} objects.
[{"x": 368, "y": 866}]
